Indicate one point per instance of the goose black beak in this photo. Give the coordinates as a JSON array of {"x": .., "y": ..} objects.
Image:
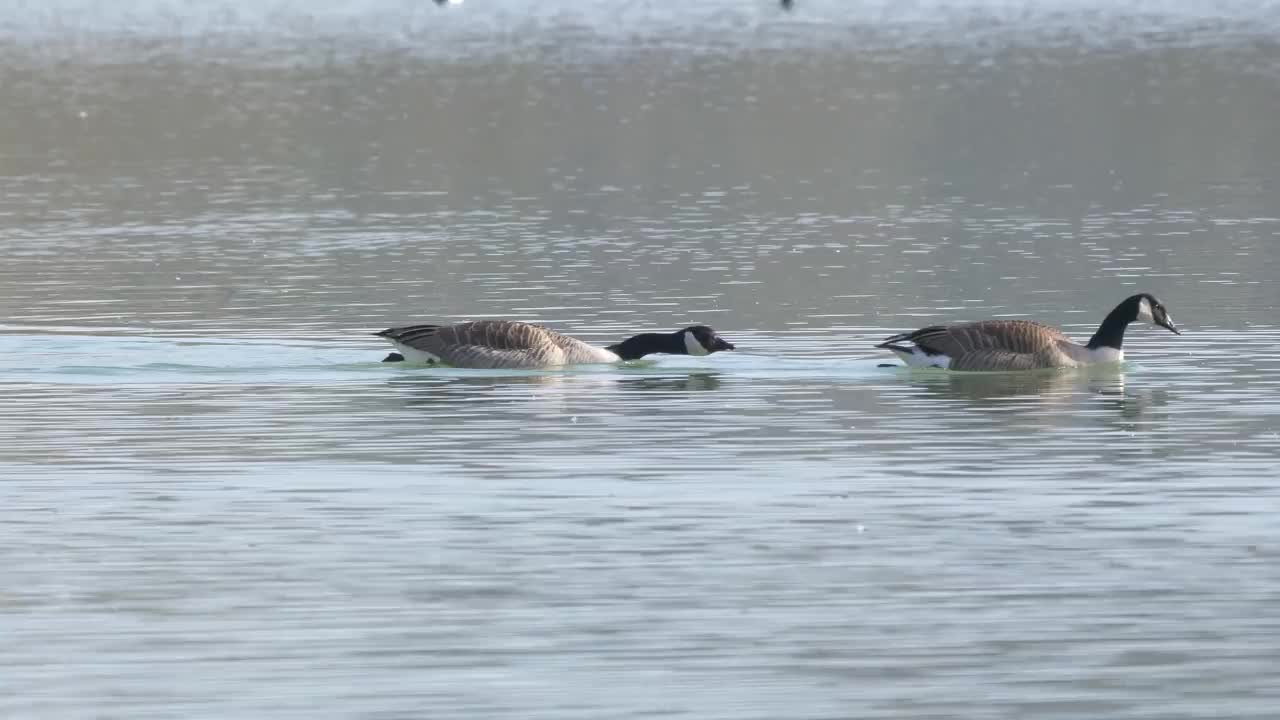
[
  {"x": 1168, "y": 325},
  {"x": 722, "y": 344}
]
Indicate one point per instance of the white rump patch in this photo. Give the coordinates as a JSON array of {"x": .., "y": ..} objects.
[
  {"x": 692, "y": 346},
  {"x": 920, "y": 359},
  {"x": 1144, "y": 311},
  {"x": 415, "y": 355}
]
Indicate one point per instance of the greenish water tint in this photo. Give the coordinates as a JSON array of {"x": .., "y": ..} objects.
[{"x": 217, "y": 503}]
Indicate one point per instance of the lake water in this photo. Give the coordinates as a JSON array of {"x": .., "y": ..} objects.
[{"x": 217, "y": 503}]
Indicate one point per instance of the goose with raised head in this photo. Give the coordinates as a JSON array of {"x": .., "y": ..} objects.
[
  {"x": 512, "y": 344},
  {"x": 1001, "y": 345}
]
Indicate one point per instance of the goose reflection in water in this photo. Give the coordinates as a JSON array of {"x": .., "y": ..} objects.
[
  {"x": 691, "y": 382},
  {"x": 1078, "y": 393},
  {"x": 1041, "y": 386},
  {"x": 484, "y": 391},
  {"x": 477, "y": 392}
]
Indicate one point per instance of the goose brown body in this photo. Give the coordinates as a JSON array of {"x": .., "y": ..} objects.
[
  {"x": 495, "y": 344},
  {"x": 994, "y": 345},
  {"x": 490, "y": 344},
  {"x": 1002, "y": 345}
]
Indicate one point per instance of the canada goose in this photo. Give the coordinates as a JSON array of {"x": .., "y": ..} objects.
[
  {"x": 1023, "y": 344},
  {"x": 511, "y": 344}
]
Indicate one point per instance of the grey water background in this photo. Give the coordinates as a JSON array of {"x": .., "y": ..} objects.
[{"x": 217, "y": 503}]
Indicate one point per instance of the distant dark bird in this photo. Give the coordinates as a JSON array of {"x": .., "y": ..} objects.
[{"x": 786, "y": 4}]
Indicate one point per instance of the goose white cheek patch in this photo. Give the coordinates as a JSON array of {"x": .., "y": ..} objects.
[
  {"x": 692, "y": 346},
  {"x": 1144, "y": 311}
]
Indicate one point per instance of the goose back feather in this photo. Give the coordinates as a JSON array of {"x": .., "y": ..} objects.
[
  {"x": 990, "y": 345},
  {"x": 494, "y": 344},
  {"x": 999, "y": 345}
]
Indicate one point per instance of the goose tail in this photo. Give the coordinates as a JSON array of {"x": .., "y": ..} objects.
[
  {"x": 401, "y": 334},
  {"x": 895, "y": 342}
]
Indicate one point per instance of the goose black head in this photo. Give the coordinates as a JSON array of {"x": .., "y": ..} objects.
[
  {"x": 1149, "y": 309},
  {"x": 702, "y": 340},
  {"x": 693, "y": 340}
]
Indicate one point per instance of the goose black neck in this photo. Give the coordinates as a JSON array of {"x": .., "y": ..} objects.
[
  {"x": 637, "y": 347},
  {"x": 1111, "y": 331}
]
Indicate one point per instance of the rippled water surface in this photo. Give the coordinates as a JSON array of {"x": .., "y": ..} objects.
[{"x": 218, "y": 503}]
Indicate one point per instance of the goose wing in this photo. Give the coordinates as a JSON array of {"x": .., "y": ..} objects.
[
  {"x": 484, "y": 343},
  {"x": 986, "y": 344}
]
